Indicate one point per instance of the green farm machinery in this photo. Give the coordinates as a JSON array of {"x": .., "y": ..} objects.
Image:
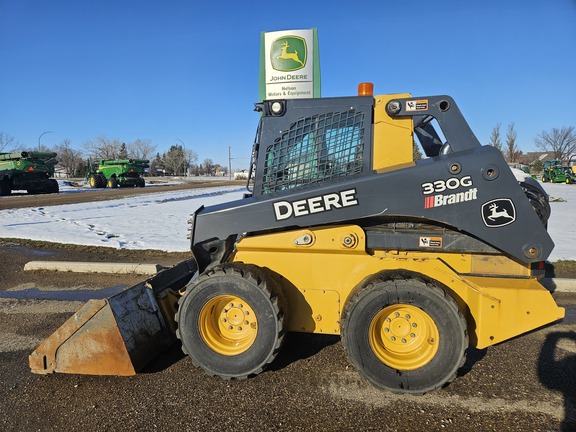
[
  {"x": 114, "y": 173},
  {"x": 28, "y": 170},
  {"x": 555, "y": 172}
]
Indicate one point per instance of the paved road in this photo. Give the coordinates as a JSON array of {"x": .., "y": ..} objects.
[{"x": 527, "y": 384}]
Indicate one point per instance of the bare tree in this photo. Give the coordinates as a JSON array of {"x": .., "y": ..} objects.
[
  {"x": 208, "y": 164},
  {"x": 560, "y": 142},
  {"x": 174, "y": 160},
  {"x": 71, "y": 160},
  {"x": 141, "y": 149},
  {"x": 7, "y": 142},
  {"x": 191, "y": 157},
  {"x": 512, "y": 152},
  {"x": 495, "y": 137},
  {"x": 103, "y": 148}
]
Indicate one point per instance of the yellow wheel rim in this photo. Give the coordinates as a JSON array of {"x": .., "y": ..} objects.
[
  {"x": 404, "y": 337},
  {"x": 228, "y": 325},
  {"x": 92, "y": 181}
]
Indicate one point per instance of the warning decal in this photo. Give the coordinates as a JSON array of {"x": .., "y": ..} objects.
[
  {"x": 430, "y": 242},
  {"x": 417, "y": 105}
]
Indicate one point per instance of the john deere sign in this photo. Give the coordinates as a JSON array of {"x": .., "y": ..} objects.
[
  {"x": 289, "y": 65},
  {"x": 288, "y": 53}
]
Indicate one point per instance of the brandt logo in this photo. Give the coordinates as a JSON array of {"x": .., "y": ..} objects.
[
  {"x": 498, "y": 212},
  {"x": 288, "y": 53}
]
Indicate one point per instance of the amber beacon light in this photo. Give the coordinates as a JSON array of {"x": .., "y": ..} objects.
[{"x": 365, "y": 89}]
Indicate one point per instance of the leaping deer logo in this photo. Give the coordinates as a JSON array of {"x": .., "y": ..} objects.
[
  {"x": 495, "y": 213},
  {"x": 289, "y": 55}
]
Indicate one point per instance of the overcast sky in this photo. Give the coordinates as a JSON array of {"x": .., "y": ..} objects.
[{"x": 187, "y": 71}]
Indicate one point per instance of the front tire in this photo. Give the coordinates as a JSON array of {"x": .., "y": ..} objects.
[
  {"x": 53, "y": 186},
  {"x": 231, "y": 321},
  {"x": 5, "y": 187},
  {"x": 112, "y": 183},
  {"x": 404, "y": 335},
  {"x": 97, "y": 181}
]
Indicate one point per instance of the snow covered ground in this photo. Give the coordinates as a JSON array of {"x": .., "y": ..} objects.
[{"x": 159, "y": 220}]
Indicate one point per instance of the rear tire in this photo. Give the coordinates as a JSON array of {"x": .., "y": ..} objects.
[
  {"x": 538, "y": 199},
  {"x": 231, "y": 321},
  {"x": 112, "y": 183},
  {"x": 404, "y": 335}
]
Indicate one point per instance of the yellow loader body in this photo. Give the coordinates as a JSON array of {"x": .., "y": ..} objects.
[{"x": 321, "y": 274}]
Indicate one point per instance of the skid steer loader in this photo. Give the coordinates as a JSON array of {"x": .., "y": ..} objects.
[{"x": 341, "y": 232}]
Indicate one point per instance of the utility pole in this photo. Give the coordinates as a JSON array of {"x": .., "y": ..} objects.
[{"x": 229, "y": 164}]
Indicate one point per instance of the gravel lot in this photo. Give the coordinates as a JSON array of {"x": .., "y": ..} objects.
[{"x": 527, "y": 384}]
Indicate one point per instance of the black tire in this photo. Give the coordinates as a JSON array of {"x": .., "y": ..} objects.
[
  {"x": 112, "y": 183},
  {"x": 140, "y": 182},
  {"x": 538, "y": 199},
  {"x": 404, "y": 335},
  {"x": 5, "y": 187},
  {"x": 231, "y": 321},
  {"x": 53, "y": 186},
  {"x": 102, "y": 182},
  {"x": 97, "y": 181},
  {"x": 47, "y": 187}
]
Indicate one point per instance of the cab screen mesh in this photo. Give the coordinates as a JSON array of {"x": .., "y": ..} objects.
[{"x": 315, "y": 149}]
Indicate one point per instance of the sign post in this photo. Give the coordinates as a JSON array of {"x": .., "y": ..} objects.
[{"x": 289, "y": 64}]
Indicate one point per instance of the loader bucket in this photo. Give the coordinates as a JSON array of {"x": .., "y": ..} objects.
[{"x": 118, "y": 335}]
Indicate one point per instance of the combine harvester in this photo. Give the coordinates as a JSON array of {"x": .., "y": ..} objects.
[
  {"x": 342, "y": 233},
  {"x": 28, "y": 170},
  {"x": 115, "y": 173}
]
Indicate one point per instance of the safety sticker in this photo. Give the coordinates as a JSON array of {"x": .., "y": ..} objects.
[
  {"x": 417, "y": 105},
  {"x": 430, "y": 242}
]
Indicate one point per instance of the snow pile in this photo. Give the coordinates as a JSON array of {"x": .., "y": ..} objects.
[{"x": 149, "y": 221}]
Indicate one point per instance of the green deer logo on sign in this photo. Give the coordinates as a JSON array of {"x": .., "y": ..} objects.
[{"x": 288, "y": 53}]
